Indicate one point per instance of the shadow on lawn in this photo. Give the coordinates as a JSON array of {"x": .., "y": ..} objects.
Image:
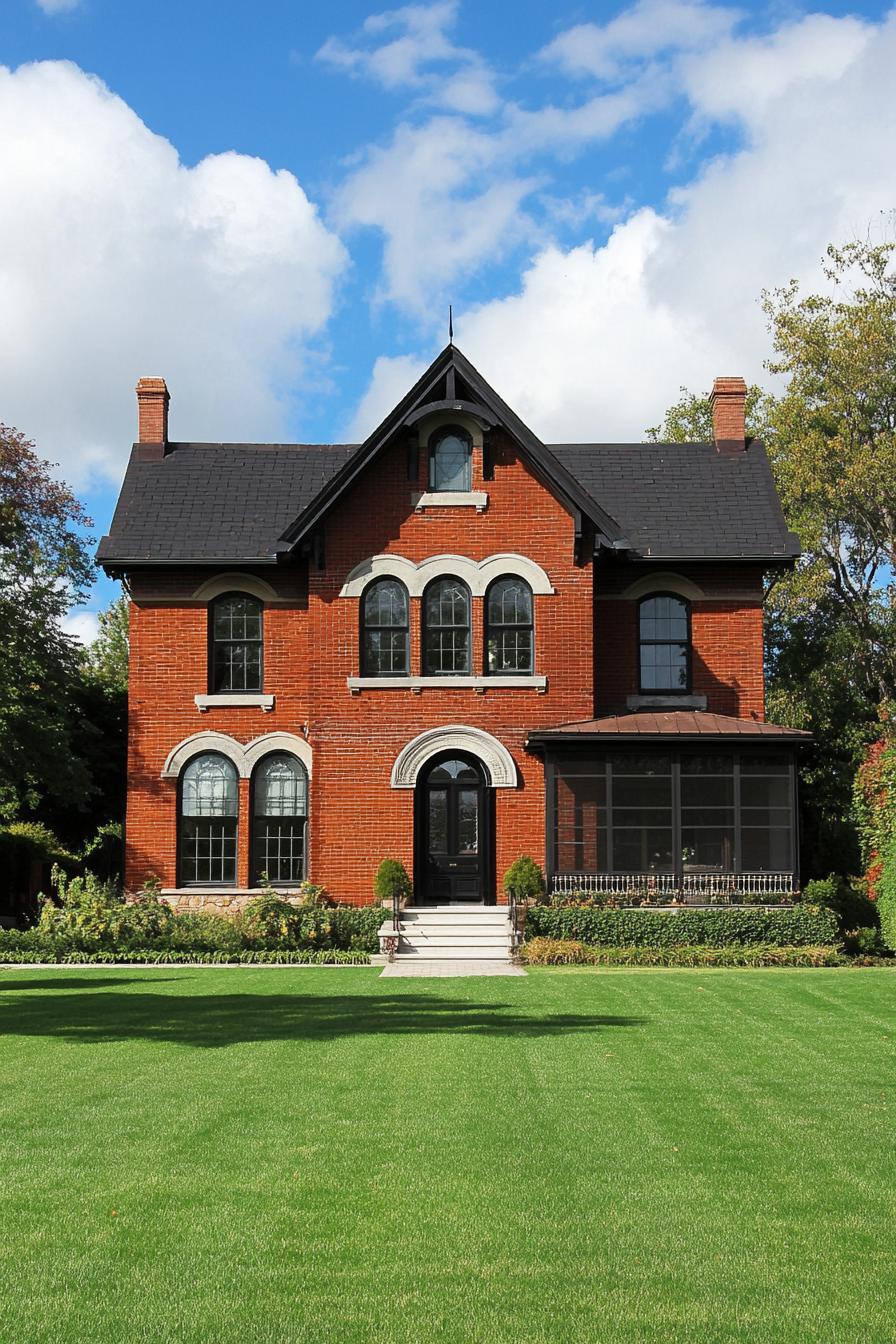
[{"x": 211, "y": 1020}]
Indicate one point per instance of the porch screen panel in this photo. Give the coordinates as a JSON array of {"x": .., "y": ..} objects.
[
  {"x": 766, "y": 814},
  {"x": 642, "y": 816},
  {"x": 580, "y": 834},
  {"x": 707, "y": 814}
]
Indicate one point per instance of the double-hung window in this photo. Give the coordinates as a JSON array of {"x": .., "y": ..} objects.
[{"x": 235, "y": 643}]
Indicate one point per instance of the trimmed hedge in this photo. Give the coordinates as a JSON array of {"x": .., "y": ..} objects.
[
  {"x": 49, "y": 951},
  {"x": 799, "y": 926},
  {"x": 566, "y": 952}
]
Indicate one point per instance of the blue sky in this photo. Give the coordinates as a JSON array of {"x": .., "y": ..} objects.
[{"x": 272, "y": 205}]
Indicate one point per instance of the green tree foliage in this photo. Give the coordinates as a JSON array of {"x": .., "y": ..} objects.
[
  {"x": 44, "y": 568},
  {"x": 831, "y": 439},
  {"x": 106, "y": 659}
]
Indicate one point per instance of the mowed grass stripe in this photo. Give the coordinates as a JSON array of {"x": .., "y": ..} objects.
[{"x": 289, "y": 1155}]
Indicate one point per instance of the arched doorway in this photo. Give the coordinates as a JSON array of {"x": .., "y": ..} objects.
[{"x": 454, "y": 832}]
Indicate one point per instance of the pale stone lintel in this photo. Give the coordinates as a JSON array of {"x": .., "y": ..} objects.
[
  {"x": 416, "y": 684},
  {"x": 206, "y": 702},
  {"x": 667, "y": 701},
  {"x": 446, "y": 499}
]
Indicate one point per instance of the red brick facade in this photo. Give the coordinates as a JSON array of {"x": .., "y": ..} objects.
[{"x": 585, "y": 646}]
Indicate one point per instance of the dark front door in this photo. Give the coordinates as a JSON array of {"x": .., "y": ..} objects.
[{"x": 454, "y": 831}]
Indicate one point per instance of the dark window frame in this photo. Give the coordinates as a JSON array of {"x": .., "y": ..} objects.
[
  {"x": 435, "y": 438},
  {"x": 254, "y": 870},
  {"x": 664, "y": 690},
  {"x": 487, "y": 629},
  {"x": 182, "y": 882},
  {"x": 425, "y": 627},
  {"x": 213, "y": 643},
  {"x": 363, "y": 628},
  {"x": 583, "y": 764}
]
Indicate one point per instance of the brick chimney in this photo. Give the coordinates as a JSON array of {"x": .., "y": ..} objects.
[
  {"x": 728, "y": 401},
  {"x": 152, "y": 417}
]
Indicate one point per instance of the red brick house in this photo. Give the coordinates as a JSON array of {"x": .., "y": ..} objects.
[{"x": 452, "y": 645}]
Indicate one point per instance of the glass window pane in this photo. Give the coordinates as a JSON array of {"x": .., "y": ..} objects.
[
  {"x": 770, "y": 791},
  {"x": 281, "y": 787},
  {"x": 279, "y": 850},
  {"x": 209, "y": 788},
  {"x": 450, "y": 464},
  {"x": 437, "y": 801},
  {"x": 447, "y": 633},
  {"x": 468, "y": 821},
  {"x": 645, "y": 850},
  {"x": 386, "y": 603},
  {"x": 208, "y": 850},
  {"x": 454, "y": 770},
  {"x": 510, "y": 602}
]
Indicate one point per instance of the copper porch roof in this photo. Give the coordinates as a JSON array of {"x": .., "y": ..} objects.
[{"x": 671, "y": 723}]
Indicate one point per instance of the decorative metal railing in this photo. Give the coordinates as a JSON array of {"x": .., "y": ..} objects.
[
  {"x": 687, "y": 888},
  {"x": 516, "y": 910}
]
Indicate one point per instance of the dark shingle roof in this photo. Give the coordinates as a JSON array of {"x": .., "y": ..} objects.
[
  {"x": 684, "y": 499},
  {"x": 216, "y": 501}
]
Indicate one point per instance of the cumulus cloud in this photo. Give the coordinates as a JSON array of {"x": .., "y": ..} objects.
[
  {"x": 597, "y": 338},
  {"x": 117, "y": 260}
]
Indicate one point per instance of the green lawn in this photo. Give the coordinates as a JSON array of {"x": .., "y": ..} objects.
[{"x": 321, "y": 1155}]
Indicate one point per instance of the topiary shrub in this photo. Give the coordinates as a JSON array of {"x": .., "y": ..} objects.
[
  {"x": 392, "y": 880},
  {"x": 525, "y": 879}
]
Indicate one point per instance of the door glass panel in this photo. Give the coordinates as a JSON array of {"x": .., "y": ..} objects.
[
  {"x": 438, "y": 821},
  {"x": 468, "y": 821}
]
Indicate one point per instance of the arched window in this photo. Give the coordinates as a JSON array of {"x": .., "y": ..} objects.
[
  {"x": 446, "y": 629},
  {"x": 209, "y": 804},
  {"x": 664, "y": 625},
  {"x": 384, "y": 630},
  {"x": 279, "y": 819},
  {"x": 235, "y": 643},
  {"x": 508, "y": 627},
  {"x": 450, "y": 460}
]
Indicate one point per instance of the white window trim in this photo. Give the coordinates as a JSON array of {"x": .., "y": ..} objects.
[
  {"x": 477, "y": 575},
  {"x": 225, "y": 700},
  {"x": 245, "y": 758},
  {"x": 452, "y": 499},
  {"x": 526, "y": 682},
  {"x": 499, "y": 765}
]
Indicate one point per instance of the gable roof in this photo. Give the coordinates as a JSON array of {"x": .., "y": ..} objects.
[
  {"x": 451, "y": 381},
  {"x": 209, "y": 503}
]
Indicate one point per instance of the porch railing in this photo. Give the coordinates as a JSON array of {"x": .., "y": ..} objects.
[{"x": 690, "y": 888}]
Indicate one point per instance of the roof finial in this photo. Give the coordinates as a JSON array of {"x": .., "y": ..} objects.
[{"x": 450, "y": 325}]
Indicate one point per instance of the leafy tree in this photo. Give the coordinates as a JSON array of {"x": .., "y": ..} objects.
[
  {"x": 831, "y": 438},
  {"x": 44, "y": 568},
  {"x": 106, "y": 659}
]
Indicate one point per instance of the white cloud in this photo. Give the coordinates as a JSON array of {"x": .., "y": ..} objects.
[
  {"x": 82, "y": 625},
  {"x": 597, "y": 339},
  {"x": 645, "y": 30},
  {"x": 116, "y": 260},
  {"x": 58, "y": 6},
  {"x": 408, "y": 48}
]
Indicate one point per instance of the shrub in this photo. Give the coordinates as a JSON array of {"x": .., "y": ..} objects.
[
  {"x": 93, "y": 914},
  {"x": 269, "y": 921},
  {"x": 864, "y": 942},
  {"x": 848, "y": 899},
  {"x": 524, "y": 879},
  {"x": 392, "y": 880},
  {"x": 800, "y": 926},
  {"x": 565, "y": 952}
]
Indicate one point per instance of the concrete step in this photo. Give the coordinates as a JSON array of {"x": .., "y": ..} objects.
[
  {"x": 467, "y": 914},
  {"x": 452, "y": 952},
  {"x": 427, "y": 928},
  {"x": 454, "y": 940}
]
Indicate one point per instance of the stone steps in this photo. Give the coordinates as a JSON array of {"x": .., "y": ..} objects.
[{"x": 452, "y": 933}]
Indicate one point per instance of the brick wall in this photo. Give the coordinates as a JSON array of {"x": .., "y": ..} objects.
[{"x": 357, "y": 818}]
